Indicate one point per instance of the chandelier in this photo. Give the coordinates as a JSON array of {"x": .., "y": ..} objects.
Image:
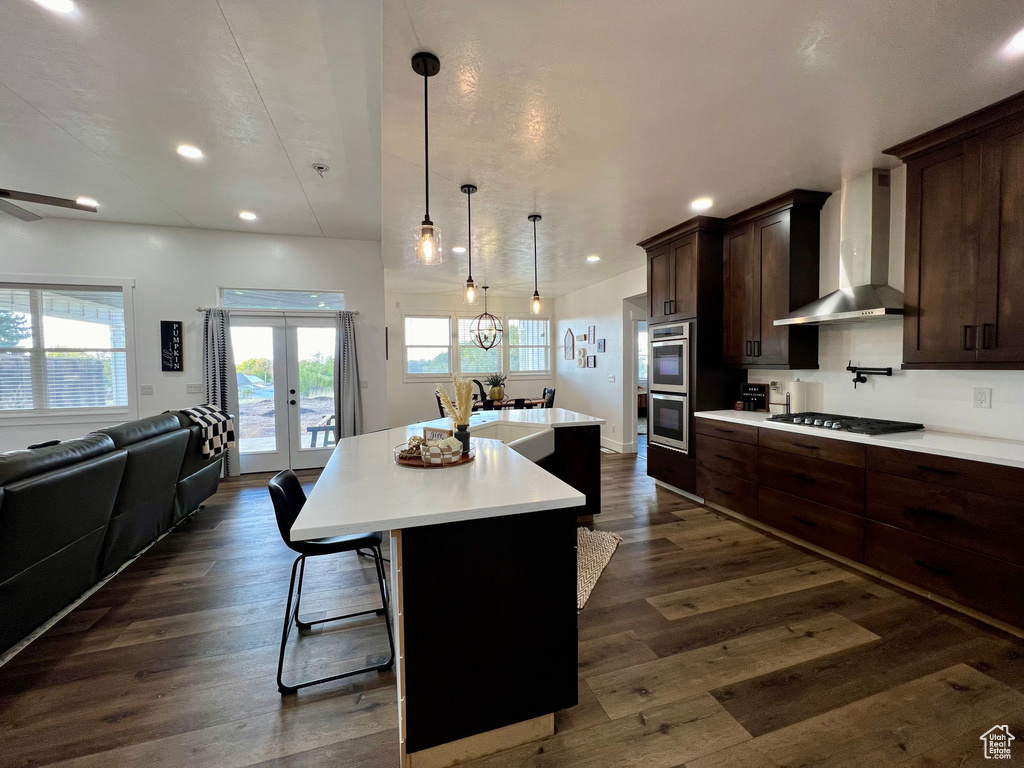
[{"x": 485, "y": 329}]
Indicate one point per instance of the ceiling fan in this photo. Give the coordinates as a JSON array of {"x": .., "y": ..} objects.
[{"x": 6, "y": 195}]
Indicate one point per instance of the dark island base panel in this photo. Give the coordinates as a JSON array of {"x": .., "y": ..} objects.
[
  {"x": 577, "y": 462},
  {"x": 490, "y": 629}
]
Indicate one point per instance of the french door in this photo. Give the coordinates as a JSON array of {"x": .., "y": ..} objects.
[{"x": 285, "y": 379}]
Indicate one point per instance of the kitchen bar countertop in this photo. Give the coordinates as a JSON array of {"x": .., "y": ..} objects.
[
  {"x": 362, "y": 489},
  {"x": 992, "y": 450}
]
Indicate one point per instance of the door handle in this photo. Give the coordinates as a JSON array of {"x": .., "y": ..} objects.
[
  {"x": 291, "y": 402},
  {"x": 291, "y": 391},
  {"x": 664, "y": 308},
  {"x": 671, "y": 306},
  {"x": 970, "y": 337},
  {"x": 987, "y": 337},
  {"x": 748, "y": 350},
  {"x": 757, "y": 349}
]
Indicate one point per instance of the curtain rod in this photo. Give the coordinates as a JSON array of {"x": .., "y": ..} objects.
[{"x": 255, "y": 311}]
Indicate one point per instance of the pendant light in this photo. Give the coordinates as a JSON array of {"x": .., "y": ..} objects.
[
  {"x": 485, "y": 329},
  {"x": 427, "y": 237},
  {"x": 536, "y": 304},
  {"x": 470, "y": 295}
]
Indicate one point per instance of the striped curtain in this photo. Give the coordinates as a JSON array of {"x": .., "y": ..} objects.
[
  {"x": 348, "y": 401},
  {"x": 219, "y": 371}
]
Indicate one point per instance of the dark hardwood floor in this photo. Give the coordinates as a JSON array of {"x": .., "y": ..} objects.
[{"x": 705, "y": 644}]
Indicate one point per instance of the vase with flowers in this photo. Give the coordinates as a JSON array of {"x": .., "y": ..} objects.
[
  {"x": 496, "y": 382},
  {"x": 460, "y": 410}
]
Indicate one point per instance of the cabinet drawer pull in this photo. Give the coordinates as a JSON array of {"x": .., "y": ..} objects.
[
  {"x": 930, "y": 513},
  {"x": 970, "y": 340},
  {"x": 723, "y": 458},
  {"x": 933, "y": 569},
  {"x": 722, "y": 490},
  {"x": 804, "y": 521},
  {"x": 757, "y": 349},
  {"x": 936, "y": 470},
  {"x": 805, "y": 445},
  {"x": 724, "y": 431},
  {"x": 987, "y": 337},
  {"x": 664, "y": 308},
  {"x": 748, "y": 350},
  {"x": 803, "y": 478}
]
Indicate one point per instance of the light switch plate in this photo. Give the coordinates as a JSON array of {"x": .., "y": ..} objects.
[
  {"x": 982, "y": 397},
  {"x": 364, "y": 383},
  {"x": 611, "y": 379},
  {"x": 193, "y": 389},
  {"x": 146, "y": 389}
]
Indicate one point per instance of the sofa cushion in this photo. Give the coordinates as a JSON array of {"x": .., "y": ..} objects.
[
  {"x": 17, "y": 465},
  {"x": 141, "y": 429}
]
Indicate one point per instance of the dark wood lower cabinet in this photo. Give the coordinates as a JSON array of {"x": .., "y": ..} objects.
[
  {"x": 985, "y": 583},
  {"x": 837, "y": 531},
  {"x": 728, "y": 457},
  {"x": 727, "y": 491},
  {"x": 672, "y": 467},
  {"x": 835, "y": 485}
]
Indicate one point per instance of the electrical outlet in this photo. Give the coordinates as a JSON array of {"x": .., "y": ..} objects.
[
  {"x": 364, "y": 383},
  {"x": 146, "y": 389},
  {"x": 982, "y": 397},
  {"x": 193, "y": 389}
]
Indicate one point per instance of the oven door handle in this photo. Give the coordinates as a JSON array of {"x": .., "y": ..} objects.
[{"x": 677, "y": 342}]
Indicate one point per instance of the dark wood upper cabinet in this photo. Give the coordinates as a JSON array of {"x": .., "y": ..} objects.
[
  {"x": 684, "y": 271},
  {"x": 964, "y": 271},
  {"x": 770, "y": 267}
]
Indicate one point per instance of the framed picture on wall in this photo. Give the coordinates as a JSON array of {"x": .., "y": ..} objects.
[
  {"x": 600, "y": 345},
  {"x": 592, "y": 361},
  {"x": 569, "y": 347},
  {"x": 581, "y": 338},
  {"x": 581, "y": 358},
  {"x": 592, "y": 334}
]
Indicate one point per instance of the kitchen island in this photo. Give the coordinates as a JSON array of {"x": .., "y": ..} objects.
[{"x": 483, "y": 565}]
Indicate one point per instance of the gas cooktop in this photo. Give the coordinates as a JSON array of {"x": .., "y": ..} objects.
[{"x": 853, "y": 424}]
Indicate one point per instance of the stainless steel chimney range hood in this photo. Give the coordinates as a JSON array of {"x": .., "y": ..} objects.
[{"x": 864, "y": 292}]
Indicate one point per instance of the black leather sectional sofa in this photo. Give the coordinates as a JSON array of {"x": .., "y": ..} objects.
[{"x": 73, "y": 512}]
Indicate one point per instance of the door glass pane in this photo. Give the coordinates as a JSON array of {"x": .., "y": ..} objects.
[
  {"x": 254, "y": 366},
  {"x": 316, "y": 387}
]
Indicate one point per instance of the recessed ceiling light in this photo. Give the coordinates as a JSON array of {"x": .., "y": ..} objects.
[
  {"x": 458, "y": 249},
  {"x": 88, "y": 202},
  {"x": 57, "y": 6},
  {"x": 593, "y": 258},
  {"x": 701, "y": 204},
  {"x": 247, "y": 216},
  {"x": 189, "y": 151},
  {"x": 1016, "y": 44}
]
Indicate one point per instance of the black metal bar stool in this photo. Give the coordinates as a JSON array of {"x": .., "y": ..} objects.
[{"x": 288, "y": 497}]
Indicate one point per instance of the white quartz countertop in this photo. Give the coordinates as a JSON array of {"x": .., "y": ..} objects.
[
  {"x": 549, "y": 417},
  {"x": 1009, "y": 453},
  {"x": 362, "y": 489}
]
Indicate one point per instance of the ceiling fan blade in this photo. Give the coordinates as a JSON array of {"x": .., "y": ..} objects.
[
  {"x": 18, "y": 213},
  {"x": 29, "y": 197}
]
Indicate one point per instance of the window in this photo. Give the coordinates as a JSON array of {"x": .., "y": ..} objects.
[
  {"x": 238, "y": 298},
  {"x": 62, "y": 347},
  {"x": 641, "y": 345},
  {"x": 529, "y": 346},
  {"x": 472, "y": 359},
  {"x": 428, "y": 345}
]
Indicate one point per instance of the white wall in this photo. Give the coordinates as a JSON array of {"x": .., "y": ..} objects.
[
  {"x": 938, "y": 399},
  {"x": 176, "y": 270},
  {"x": 410, "y": 402},
  {"x": 588, "y": 390}
]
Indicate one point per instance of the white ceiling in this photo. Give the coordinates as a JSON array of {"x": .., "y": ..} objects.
[
  {"x": 95, "y": 102},
  {"x": 609, "y": 117}
]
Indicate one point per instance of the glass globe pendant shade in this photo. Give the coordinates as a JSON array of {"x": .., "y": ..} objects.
[
  {"x": 536, "y": 304},
  {"x": 470, "y": 295},
  {"x": 428, "y": 244}
]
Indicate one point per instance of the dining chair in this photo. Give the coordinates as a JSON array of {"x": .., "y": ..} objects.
[
  {"x": 440, "y": 408},
  {"x": 482, "y": 394},
  {"x": 488, "y": 404},
  {"x": 289, "y": 498},
  {"x": 520, "y": 403},
  {"x": 549, "y": 397}
]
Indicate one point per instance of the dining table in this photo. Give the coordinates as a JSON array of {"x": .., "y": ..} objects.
[{"x": 509, "y": 402}]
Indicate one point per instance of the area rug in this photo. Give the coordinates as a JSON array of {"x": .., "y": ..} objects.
[{"x": 593, "y": 551}]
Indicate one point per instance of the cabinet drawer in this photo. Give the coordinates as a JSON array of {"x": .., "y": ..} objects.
[
  {"x": 728, "y": 457},
  {"x": 965, "y": 519},
  {"x": 834, "y": 485},
  {"x": 728, "y": 491},
  {"x": 672, "y": 467},
  {"x": 742, "y": 433},
  {"x": 825, "y": 448},
  {"x": 978, "y": 476},
  {"x": 836, "y": 531},
  {"x": 981, "y": 582}
]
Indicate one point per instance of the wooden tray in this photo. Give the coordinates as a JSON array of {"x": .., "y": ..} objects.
[{"x": 417, "y": 463}]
